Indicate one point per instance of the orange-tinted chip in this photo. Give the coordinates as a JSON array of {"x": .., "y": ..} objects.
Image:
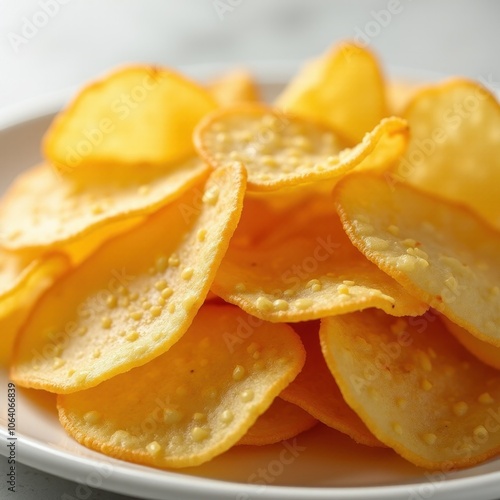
[
  {"x": 454, "y": 151},
  {"x": 136, "y": 115},
  {"x": 135, "y": 297},
  {"x": 234, "y": 87},
  {"x": 85, "y": 200},
  {"x": 343, "y": 88},
  {"x": 282, "y": 150},
  {"x": 307, "y": 269},
  {"x": 193, "y": 402},
  {"x": 440, "y": 252},
  {"x": 415, "y": 387},
  {"x": 316, "y": 391},
  {"x": 281, "y": 421}
]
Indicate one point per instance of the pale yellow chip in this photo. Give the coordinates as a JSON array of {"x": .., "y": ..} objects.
[
  {"x": 17, "y": 301},
  {"x": 282, "y": 150},
  {"x": 307, "y": 269},
  {"x": 415, "y": 387},
  {"x": 192, "y": 403},
  {"x": 137, "y": 115},
  {"x": 440, "y": 252},
  {"x": 343, "y": 88},
  {"x": 454, "y": 150},
  {"x": 315, "y": 390},
  {"x": 482, "y": 350},
  {"x": 43, "y": 209},
  {"x": 281, "y": 421},
  {"x": 235, "y": 86},
  {"x": 135, "y": 297}
]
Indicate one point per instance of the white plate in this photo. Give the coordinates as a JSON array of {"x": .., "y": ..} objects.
[{"x": 319, "y": 464}]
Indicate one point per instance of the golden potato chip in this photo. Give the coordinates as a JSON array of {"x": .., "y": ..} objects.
[
  {"x": 439, "y": 251},
  {"x": 308, "y": 269},
  {"x": 399, "y": 94},
  {"x": 281, "y": 421},
  {"x": 315, "y": 390},
  {"x": 454, "y": 151},
  {"x": 81, "y": 248},
  {"x": 136, "y": 115},
  {"x": 85, "y": 200},
  {"x": 415, "y": 387},
  {"x": 482, "y": 350},
  {"x": 133, "y": 298},
  {"x": 193, "y": 402},
  {"x": 343, "y": 88},
  {"x": 234, "y": 87},
  {"x": 14, "y": 271},
  {"x": 281, "y": 150},
  {"x": 17, "y": 301},
  {"x": 264, "y": 213}
]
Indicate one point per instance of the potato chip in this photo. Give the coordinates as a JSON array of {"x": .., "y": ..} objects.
[
  {"x": 234, "y": 87},
  {"x": 281, "y": 421},
  {"x": 482, "y": 350},
  {"x": 439, "y": 251},
  {"x": 81, "y": 248},
  {"x": 281, "y": 150},
  {"x": 415, "y": 387},
  {"x": 195, "y": 401},
  {"x": 16, "y": 302},
  {"x": 399, "y": 94},
  {"x": 135, "y": 297},
  {"x": 136, "y": 115},
  {"x": 14, "y": 271},
  {"x": 315, "y": 390},
  {"x": 306, "y": 270},
  {"x": 344, "y": 88},
  {"x": 454, "y": 149},
  {"x": 86, "y": 200}
]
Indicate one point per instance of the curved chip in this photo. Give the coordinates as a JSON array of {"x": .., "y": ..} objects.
[
  {"x": 234, "y": 87},
  {"x": 415, "y": 387},
  {"x": 315, "y": 390},
  {"x": 135, "y": 297},
  {"x": 440, "y": 252},
  {"x": 196, "y": 400},
  {"x": 454, "y": 150},
  {"x": 482, "y": 350},
  {"x": 86, "y": 200},
  {"x": 15, "y": 270},
  {"x": 281, "y": 150},
  {"x": 344, "y": 88},
  {"x": 136, "y": 115},
  {"x": 306, "y": 270},
  {"x": 281, "y": 421},
  {"x": 17, "y": 301}
]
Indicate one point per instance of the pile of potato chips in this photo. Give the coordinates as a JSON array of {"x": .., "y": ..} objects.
[{"x": 191, "y": 269}]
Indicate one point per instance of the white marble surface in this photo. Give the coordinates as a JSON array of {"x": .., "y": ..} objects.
[{"x": 83, "y": 38}]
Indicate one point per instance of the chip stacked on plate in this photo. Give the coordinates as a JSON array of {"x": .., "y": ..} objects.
[{"x": 191, "y": 269}]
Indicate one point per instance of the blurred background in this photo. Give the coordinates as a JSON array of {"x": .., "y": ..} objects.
[
  {"x": 49, "y": 45},
  {"x": 46, "y": 45}
]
